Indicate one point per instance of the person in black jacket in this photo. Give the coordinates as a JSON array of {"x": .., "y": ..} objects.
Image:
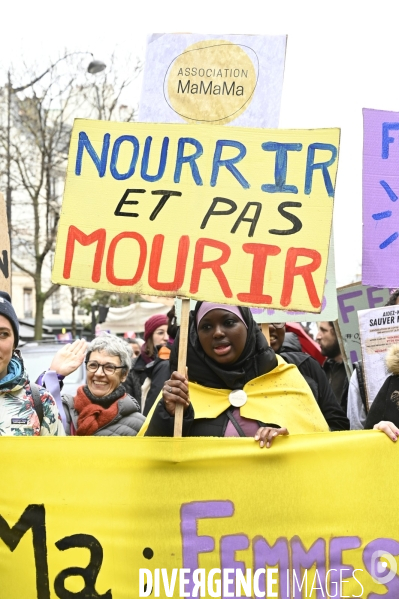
[
  {"x": 151, "y": 369},
  {"x": 238, "y": 387},
  {"x": 334, "y": 366},
  {"x": 314, "y": 376}
]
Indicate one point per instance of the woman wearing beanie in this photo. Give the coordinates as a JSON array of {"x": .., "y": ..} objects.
[
  {"x": 238, "y": 386},
  {"x": 151, "y": 369},
  {"x": 23, "y": 412}
]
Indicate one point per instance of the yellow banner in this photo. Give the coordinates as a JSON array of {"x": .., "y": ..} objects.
[
  {"x": 232, "y": 215},
  {"x": 101, "y": 517}
]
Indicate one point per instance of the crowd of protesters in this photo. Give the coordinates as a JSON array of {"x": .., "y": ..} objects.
[{"x": 237, "y": 383}]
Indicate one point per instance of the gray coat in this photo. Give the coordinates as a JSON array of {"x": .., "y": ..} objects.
[{"x": 126, "y": 423}]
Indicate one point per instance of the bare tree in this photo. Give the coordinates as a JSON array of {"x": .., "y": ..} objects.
[
  {"x": 42, "y": 118},
  {"x": 77, "y": 295},
  {"x": 105, "y": 94}
]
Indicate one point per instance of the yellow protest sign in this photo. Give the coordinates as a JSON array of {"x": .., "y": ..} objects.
[
  {"x": 236, "y": 215},
  {"x": 5, "y": 267},
  {"x": 101, "y": 517}
]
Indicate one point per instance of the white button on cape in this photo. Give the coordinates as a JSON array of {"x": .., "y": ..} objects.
[{"x": 238, "y": 398}]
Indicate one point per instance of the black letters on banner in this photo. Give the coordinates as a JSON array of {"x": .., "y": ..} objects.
[
  {"x": 232, "y": 207},
  {"x": 212, "y": 211},
  {"x": 34, "y": 517},
  {"x": 89, "y": 574},
  {"x": 297, "y": 224},
  {"x": 165, "y": 197},
  {"x": 165, "y": 193},
  {"x": 124, "y": 201},
  {"x": 253, "y": 220}
]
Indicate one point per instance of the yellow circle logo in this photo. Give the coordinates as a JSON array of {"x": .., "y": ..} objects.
[{"x": 213, "y": 81}]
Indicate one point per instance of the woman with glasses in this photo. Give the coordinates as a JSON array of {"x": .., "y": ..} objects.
[{"x": 101, "y": 407}]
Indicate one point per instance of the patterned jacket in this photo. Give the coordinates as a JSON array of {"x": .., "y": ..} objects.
[{"x": 18, "y": 416}]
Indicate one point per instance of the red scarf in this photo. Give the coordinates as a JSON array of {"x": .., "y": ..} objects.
[{"x": 92, "y": 416}]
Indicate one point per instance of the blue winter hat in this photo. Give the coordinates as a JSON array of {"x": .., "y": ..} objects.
[{"x": 8, "y": 312}]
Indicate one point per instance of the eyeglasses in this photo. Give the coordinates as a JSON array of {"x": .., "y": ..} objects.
[
  {"x": 93, "y": 366},
  {"x": 278, "y": 325}
]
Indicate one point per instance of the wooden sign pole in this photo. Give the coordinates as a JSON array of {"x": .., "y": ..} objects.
[
  {"x": 265, "y": 331},
  {"x": 181, "y": 365},
  {"x": 5, "y": 266}
]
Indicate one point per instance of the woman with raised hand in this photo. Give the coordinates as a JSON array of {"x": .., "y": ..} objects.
[
  {"x": 238, "y": 386},
  {"x": 101, "y": 407}
]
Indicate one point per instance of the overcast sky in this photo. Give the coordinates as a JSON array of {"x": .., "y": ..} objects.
[{"x": 341, "y": 56}]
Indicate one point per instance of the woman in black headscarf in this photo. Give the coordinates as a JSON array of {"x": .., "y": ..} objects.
[{"x": 235, "y": 380}]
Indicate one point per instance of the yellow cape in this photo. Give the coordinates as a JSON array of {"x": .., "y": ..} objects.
[{"x": 281, "y": 396}]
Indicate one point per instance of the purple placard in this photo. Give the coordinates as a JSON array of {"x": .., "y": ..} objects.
[{"x": 380, "y": 198}]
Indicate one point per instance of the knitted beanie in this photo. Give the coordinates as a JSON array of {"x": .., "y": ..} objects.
[
  {"x": 153, "y": 323},
  {"x": 8, "y": 312}
]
